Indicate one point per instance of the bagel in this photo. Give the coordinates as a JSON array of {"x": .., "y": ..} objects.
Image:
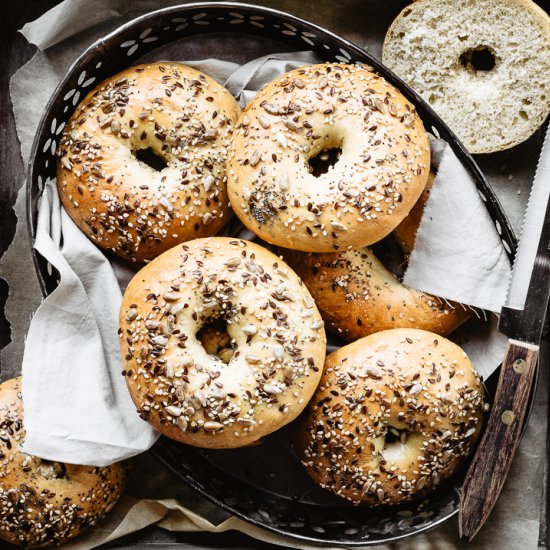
[
  {"x": 395, "y": 414},
  {"x": 306, "y": 113},
  {"x": 275, "y": 352},
  {"x": 483, "y": 65},
  {"x": 180, "y": 116},
  {"x": 358, "y": 296},
  {"x": 45, "y": 503}
]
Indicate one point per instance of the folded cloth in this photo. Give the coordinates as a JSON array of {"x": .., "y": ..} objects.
[
  {"x": 458, "y": 254},
  {"x": 77, "y": 407}
]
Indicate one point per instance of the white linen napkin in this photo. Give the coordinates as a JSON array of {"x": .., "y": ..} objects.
[
  {"x": 77, "y": 408},
  {"x": 458, "y": 253}
]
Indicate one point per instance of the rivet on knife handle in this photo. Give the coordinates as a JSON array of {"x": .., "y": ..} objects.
[{"x": 494, "y": 455}]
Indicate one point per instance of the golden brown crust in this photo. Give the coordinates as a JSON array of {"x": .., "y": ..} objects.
[
  {"x": 277, "y": 337},
  {"x": 381, "y": 172},
  {"x": 124, "y": 205},
  {"x": 357, "y": 296},
  {"x": 41, "y": 502},
  {"x": 395, "y": 414}
]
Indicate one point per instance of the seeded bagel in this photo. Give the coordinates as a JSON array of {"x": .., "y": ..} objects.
[
  {"x": 382, "y": 169},
  {"x": 209, "y": 390},
  {"x": 483, "y": 65},
  {"x": 44, "y": 503},
  {"x": 357, "y": 295},
  {"x": 184, "y": 120},
  {"x": 395, "y": 414}
]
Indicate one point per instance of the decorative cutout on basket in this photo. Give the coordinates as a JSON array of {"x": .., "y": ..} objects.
[{"x": 143, "y": 38}]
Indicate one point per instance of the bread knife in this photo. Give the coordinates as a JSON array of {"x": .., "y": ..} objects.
[{"x": 521, "y": 320}]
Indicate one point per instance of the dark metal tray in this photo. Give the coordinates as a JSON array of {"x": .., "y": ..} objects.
[{"x": 264, "y": 485}]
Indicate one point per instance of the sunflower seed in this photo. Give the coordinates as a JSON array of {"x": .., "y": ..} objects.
[
  {"x": 174, "y": 411},
  {"x": 176, "y": 308},
  {"x": 317, "y": 325},
  {"x": 160, "y": 340},
  {"x": 271, "y": 109},
  {"x": 420, "y": 484},
  {"x": 264, "y": 122},
  {"x": 252, "y": 358},
  {"x": 233, "y": 262},
  {"x": 131, "y": 314},
  {"x": 182, "y": 423},
  {"x": 166, "y": 203},
  {"x": 290, "y": 124},
  {"x": 169, "y": 369},
  {"x": 255, "y": 158},
  {"x": 281, "y": 288},
  {"x": 66, "y": 163},
  {"x": 212, "y": 426},
  {"x": 171, "y": 296},
  {"x": 251, "y": 266},
  {"x": 338, "y": 225},
  {"x": 373, "y": 373},
  {"x": 470, "y": 432}
]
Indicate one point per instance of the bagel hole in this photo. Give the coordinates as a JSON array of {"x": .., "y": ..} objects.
[
  {"x": 324, "y": 161},
  {"x": 149, "y": 157},
  {"x": 395, "y": 442},
  {"x": 52, "y": 470},
  {"x": 215, "y": 339},
  {"x": 481, "y": 58}
]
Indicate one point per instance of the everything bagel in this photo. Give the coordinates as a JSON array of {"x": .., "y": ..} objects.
[
  {"x": 357, "y": 295},
  {"x": 395, "y": 414},
  {"x": 180, "y": 116},
  {"x": 45, "y": 503},
  {"x": 268, "y": 366},
  {"x": 382, "y": 169}
]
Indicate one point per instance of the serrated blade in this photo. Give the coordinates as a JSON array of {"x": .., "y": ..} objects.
[{"x": 523, "y": 313}]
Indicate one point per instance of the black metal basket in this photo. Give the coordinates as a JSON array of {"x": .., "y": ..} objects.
[{"x": 264, "y": 485}]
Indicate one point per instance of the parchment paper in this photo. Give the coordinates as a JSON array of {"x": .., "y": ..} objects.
[{"x": 514, "y": 522}]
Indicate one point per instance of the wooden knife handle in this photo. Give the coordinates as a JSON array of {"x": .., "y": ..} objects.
[{"x": 492, "y": 460}]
